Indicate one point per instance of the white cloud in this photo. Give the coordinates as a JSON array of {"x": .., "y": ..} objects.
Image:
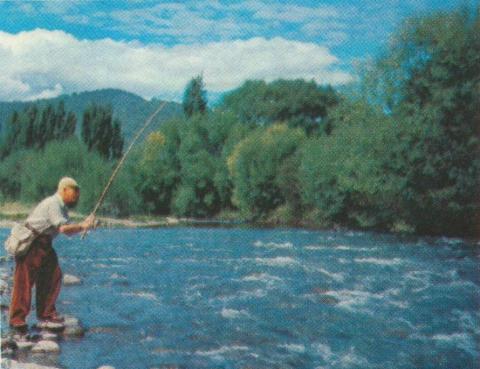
[{"x": 42, "y": 63}]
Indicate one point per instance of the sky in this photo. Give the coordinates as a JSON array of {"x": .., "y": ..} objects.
[{"x": 153, "y": 48}]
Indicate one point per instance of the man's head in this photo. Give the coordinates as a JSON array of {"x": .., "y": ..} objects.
[{"x": 69, "y": 191}]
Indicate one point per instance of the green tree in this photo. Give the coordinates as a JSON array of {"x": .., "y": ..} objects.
[
  {"x": 430, "y": 81},
  {"x": 256, "y": 164},
  {"x": 34, "y": 127},
  {"x": 159, "y": 169},
  {"x": 352, "y": 177},
  {"x": 298, "y": 102},
  {"x": 195, "y": 97},
  {"x": 101, "y": 133}
]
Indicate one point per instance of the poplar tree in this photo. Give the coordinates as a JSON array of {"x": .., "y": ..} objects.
[{"x": 195, "y": 97}]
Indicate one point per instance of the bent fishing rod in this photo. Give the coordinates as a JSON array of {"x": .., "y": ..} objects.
[{"x": 120, "y": 163}]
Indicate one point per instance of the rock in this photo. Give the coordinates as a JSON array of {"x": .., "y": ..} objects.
[
  {"x": 45, "y": 346},
  {"x": 3, "y": 259},
  {"x": 48, "y": 336},
  {"x": 105, "y": 367},
  {"x": 71, "y": 280},
  {"x": 8, "y": 343},
  {"x": 13, "y": 364},
  {"x": 25, "y": 345},
  {"x": 3, "y": 285},
  {"x": 73, "y": 327}
]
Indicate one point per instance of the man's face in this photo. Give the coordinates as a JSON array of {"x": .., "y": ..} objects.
[{"x": 70, "y": 196}]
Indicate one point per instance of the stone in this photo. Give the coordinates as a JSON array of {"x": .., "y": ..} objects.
[
  {"x": 71, "y": 280},
  {"x": 13, "y": 364},
  {"x": 8, "y": 343},
  {"x": 48, "y": 336},
  {"x": 3, "y": 259},
  {"x": 73, "y": 327},
  {"x": 45, "y": 346},
  {"x": 25, "y": 345}
]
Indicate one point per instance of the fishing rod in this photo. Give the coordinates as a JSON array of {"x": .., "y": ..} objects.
[{"x": 120, "y": 163}]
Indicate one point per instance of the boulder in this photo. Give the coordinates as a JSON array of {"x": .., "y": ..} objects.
[
  {"x": 45, "y": 346},
  {"x": 71, "y": 280},
  {"x": 73, "y": 327}
]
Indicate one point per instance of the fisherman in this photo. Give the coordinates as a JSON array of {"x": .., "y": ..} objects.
[{"x": 39, "y": 266}]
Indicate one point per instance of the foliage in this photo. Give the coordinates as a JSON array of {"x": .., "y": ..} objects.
[
  {"x": 195, "y": 97},
  {"x": 101, "y": 133},
  {"x": 255, "y": 165},
  {"x": 431, "y": 81},
  {"x": 34, "y": 128},
  {"x": 31, "y": 175},
  {"x": 350, "y": 177},
  {"x": 158, "y": 169},
  {"x": 298, "y": 102}
]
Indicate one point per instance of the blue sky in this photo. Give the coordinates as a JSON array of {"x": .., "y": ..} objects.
[{"x": 152, "y": 48}]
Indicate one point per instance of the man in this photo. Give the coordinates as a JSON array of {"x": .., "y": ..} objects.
[{"x": 39, "y": 266}]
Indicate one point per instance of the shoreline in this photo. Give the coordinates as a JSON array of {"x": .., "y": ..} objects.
[{"x": 10, "y": 213}]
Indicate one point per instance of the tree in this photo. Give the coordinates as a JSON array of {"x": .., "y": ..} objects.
[
  {"x": 195, "y": 97},
  {"x": 255, "y": 172},
  {"x": 296, "y": 102},
  {"x": 100, "y": 134},
  {"x": 34, "y": 127},
  {"x": 430, "y": 81}
]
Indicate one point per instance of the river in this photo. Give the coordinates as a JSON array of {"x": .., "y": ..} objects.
[{"x": 269, "y": 298}]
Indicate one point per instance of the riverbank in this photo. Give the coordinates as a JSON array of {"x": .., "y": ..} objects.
[{"x": 10, "y": 213}]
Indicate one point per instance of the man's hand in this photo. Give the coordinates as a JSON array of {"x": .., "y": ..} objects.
[{"x": 89, "y": 222}]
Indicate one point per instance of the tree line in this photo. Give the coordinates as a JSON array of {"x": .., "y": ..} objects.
[
  {"x": 36, "y": 126},
  {"x": 397, "y": 151}
]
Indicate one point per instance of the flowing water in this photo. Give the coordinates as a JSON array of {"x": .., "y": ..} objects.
[{"x": 270, "y": 298}]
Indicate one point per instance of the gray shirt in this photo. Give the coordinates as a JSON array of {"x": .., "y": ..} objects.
[{"x": 49, "y": 215}]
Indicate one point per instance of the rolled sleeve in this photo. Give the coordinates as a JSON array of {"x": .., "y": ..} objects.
[{"x": 57, "y": 216}]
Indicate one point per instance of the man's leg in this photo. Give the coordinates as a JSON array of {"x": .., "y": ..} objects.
[
  {"x": 49, "y": 283},
  {"x": 26, "y": 268}
]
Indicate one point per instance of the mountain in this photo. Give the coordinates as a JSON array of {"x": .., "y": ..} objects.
[{"x": 132, "y": 110}]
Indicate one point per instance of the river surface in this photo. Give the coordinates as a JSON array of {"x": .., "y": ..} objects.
[{"x": 269, "y": 298}]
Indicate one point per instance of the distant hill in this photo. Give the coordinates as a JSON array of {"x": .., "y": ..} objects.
[{"x": 132, "y": 110}]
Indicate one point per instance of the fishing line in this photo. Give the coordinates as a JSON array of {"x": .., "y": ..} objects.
[{"x": 120, "y": 163}]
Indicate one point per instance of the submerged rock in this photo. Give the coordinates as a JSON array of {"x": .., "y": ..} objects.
[{"x": 71, "y": 280}]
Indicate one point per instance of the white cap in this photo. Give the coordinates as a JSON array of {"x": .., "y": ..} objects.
[{"x": 67, "y": 182}]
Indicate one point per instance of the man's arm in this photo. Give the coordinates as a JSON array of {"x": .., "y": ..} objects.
[{"x": 70, "y": 229}]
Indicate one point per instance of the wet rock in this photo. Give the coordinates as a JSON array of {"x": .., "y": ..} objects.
[
  {"x": 48, "y": 336},
  {"x": 73, "y": 327},
  {"x": 13, "y": 364},
  {"x": 25, "y": 345},
  {"x": 71, "y": 280},
  {"x": 8, "y": 343},
  {"x": 45, "y": 346},
  {"x": 3, "y": 285},
  {"x": 3, "y": 259}
]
